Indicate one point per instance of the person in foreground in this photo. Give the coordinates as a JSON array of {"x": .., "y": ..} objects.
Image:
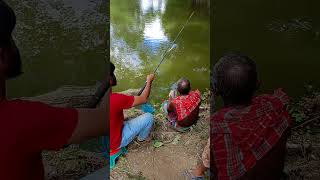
[
  {"x": 249, "y": 133},
  {"x": 28, "y": 128},
  {"x": 199, "y": 172},
  {"x": 123, "y": 132},
  {"x": 182, "y": 110}
]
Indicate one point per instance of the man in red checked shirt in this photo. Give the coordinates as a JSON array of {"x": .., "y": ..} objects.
[
  {"x": 27, "y": 128},
  {"x": 249, "y": 133}
]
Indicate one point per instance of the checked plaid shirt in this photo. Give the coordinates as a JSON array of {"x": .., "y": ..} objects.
[
  {"x": 241, "y": 136},
  {"x": 186, "y": 104}
]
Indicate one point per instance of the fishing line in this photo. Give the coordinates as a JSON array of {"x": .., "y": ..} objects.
[{"x": 169, "y": 48}]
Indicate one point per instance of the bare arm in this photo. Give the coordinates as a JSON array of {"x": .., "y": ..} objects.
[
  {"x": 171, "y": 107},
  {"x": 92, "y": 122},
  {"x": 143, "y": 98}
]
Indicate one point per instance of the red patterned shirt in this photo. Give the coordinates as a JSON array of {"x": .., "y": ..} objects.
[
  {"x": 184, "y": 105},
  {"x": 243, "y": 135}
]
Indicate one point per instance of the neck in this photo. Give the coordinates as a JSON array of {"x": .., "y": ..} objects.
[
  {"x": 185, "y": 94},
  {"x": 2, "y": 90},
  {"x": 233, "y": 104}
]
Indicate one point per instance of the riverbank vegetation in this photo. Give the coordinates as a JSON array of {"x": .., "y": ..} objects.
[{"x": 304, "y": 144}]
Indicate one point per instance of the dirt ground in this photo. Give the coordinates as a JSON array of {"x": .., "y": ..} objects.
[
  {"x": 303, "y": 159},
  {"x": 71, "y": 163},
  {"x": 303, "y": 162},
  {"x": 179, "y": 152}
]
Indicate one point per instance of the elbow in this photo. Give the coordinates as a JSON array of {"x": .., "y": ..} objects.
[{"x": 144, "y": 100}]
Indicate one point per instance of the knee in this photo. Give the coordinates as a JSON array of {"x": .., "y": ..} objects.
[{"x": 148, "y": 117}]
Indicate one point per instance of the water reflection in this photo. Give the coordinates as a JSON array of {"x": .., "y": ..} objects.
[
  {"x": 125, "y": 55},
  {"x": 152, "y": 6},
  {"x": 141, "y": 30},
  {"x": 154, "y": 35},
  {"x": 62, "y": 42},
  {"x": 287, "y": 40}
]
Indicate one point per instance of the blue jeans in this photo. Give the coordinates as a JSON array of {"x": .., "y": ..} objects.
[{"x": 139, "y": 126}]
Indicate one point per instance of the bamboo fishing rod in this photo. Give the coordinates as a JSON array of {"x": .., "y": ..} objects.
[
  {"x": 169, "y": 48},
  {"x": 105, "y": 86}
]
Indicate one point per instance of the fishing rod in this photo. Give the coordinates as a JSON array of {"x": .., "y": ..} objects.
[
  {"x": 105, "y": 86},
  {"x": 100, "y": 91},
  {"x": 169, "y": 48},
  {"x": 99, "y": 94}
]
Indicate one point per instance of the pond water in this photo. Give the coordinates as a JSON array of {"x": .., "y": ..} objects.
[
  {"x": 62, "y": 42},
  {"x": 140, "y": 32},
  {"x": 281, "y": 36}
]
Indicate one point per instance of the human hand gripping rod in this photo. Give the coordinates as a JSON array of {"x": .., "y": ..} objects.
[
  {"x": 105, "y": 86},
  {"x": 172, "y": 46},
  {"x": 99, "y": 94}
]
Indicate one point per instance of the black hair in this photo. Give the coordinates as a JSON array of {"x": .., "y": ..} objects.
[
  {"x": 112, "y": 68},
  {"x": 184, "y": 86},
  {"x": 7, "y": 24},
  {"x": 112, "y": 75},
  {"x": 235, "y": 78}
]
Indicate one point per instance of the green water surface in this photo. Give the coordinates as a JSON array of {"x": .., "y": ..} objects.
[
  {"x": 62, "y": 42},
  {"x": 281, "y": 36},
  {"x": 140, "y": 32}
]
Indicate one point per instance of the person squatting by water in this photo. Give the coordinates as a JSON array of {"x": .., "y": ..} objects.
[
  {"x": 182, "y": 108},
  {"x": 28, "y": 128},
  {"x": 123, "y": 132},
  {"x": 249, "y": 133}
]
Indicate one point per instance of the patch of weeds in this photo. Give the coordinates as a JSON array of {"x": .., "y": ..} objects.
[
  {"x": 297, "y": 113},
  {"x": 157, "y": 144},
  {"x": 205, "y": 97},
  {"x": 138, "y": 176},
  {"x": 158, "y": 109},
  {"x": 305, "y": 107},
  {"x": 157, "y": 124}
]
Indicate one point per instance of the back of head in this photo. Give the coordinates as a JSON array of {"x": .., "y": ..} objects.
[
  {"x": 112, "y": 68},
  {"x": 10, "y": 55},
  {"x": 235, "y": 78},
  {"x": 184, "y": 86},
  {"x": 112, "y": 75},
  {"x": 7, "y": 24}
]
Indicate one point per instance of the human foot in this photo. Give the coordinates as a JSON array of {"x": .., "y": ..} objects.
[
  {"x": 148, "y": 139},
  {"x": 189, "y": 175}
]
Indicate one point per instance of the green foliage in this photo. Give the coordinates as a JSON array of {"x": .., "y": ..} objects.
[
  {"x": 138, "y": 176},
  {"x": 157, "y": 144},
  {"x": 205, "y": 97},
  {"x": 297, "y": 114},
  {"x": 301, "y": 109}
]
